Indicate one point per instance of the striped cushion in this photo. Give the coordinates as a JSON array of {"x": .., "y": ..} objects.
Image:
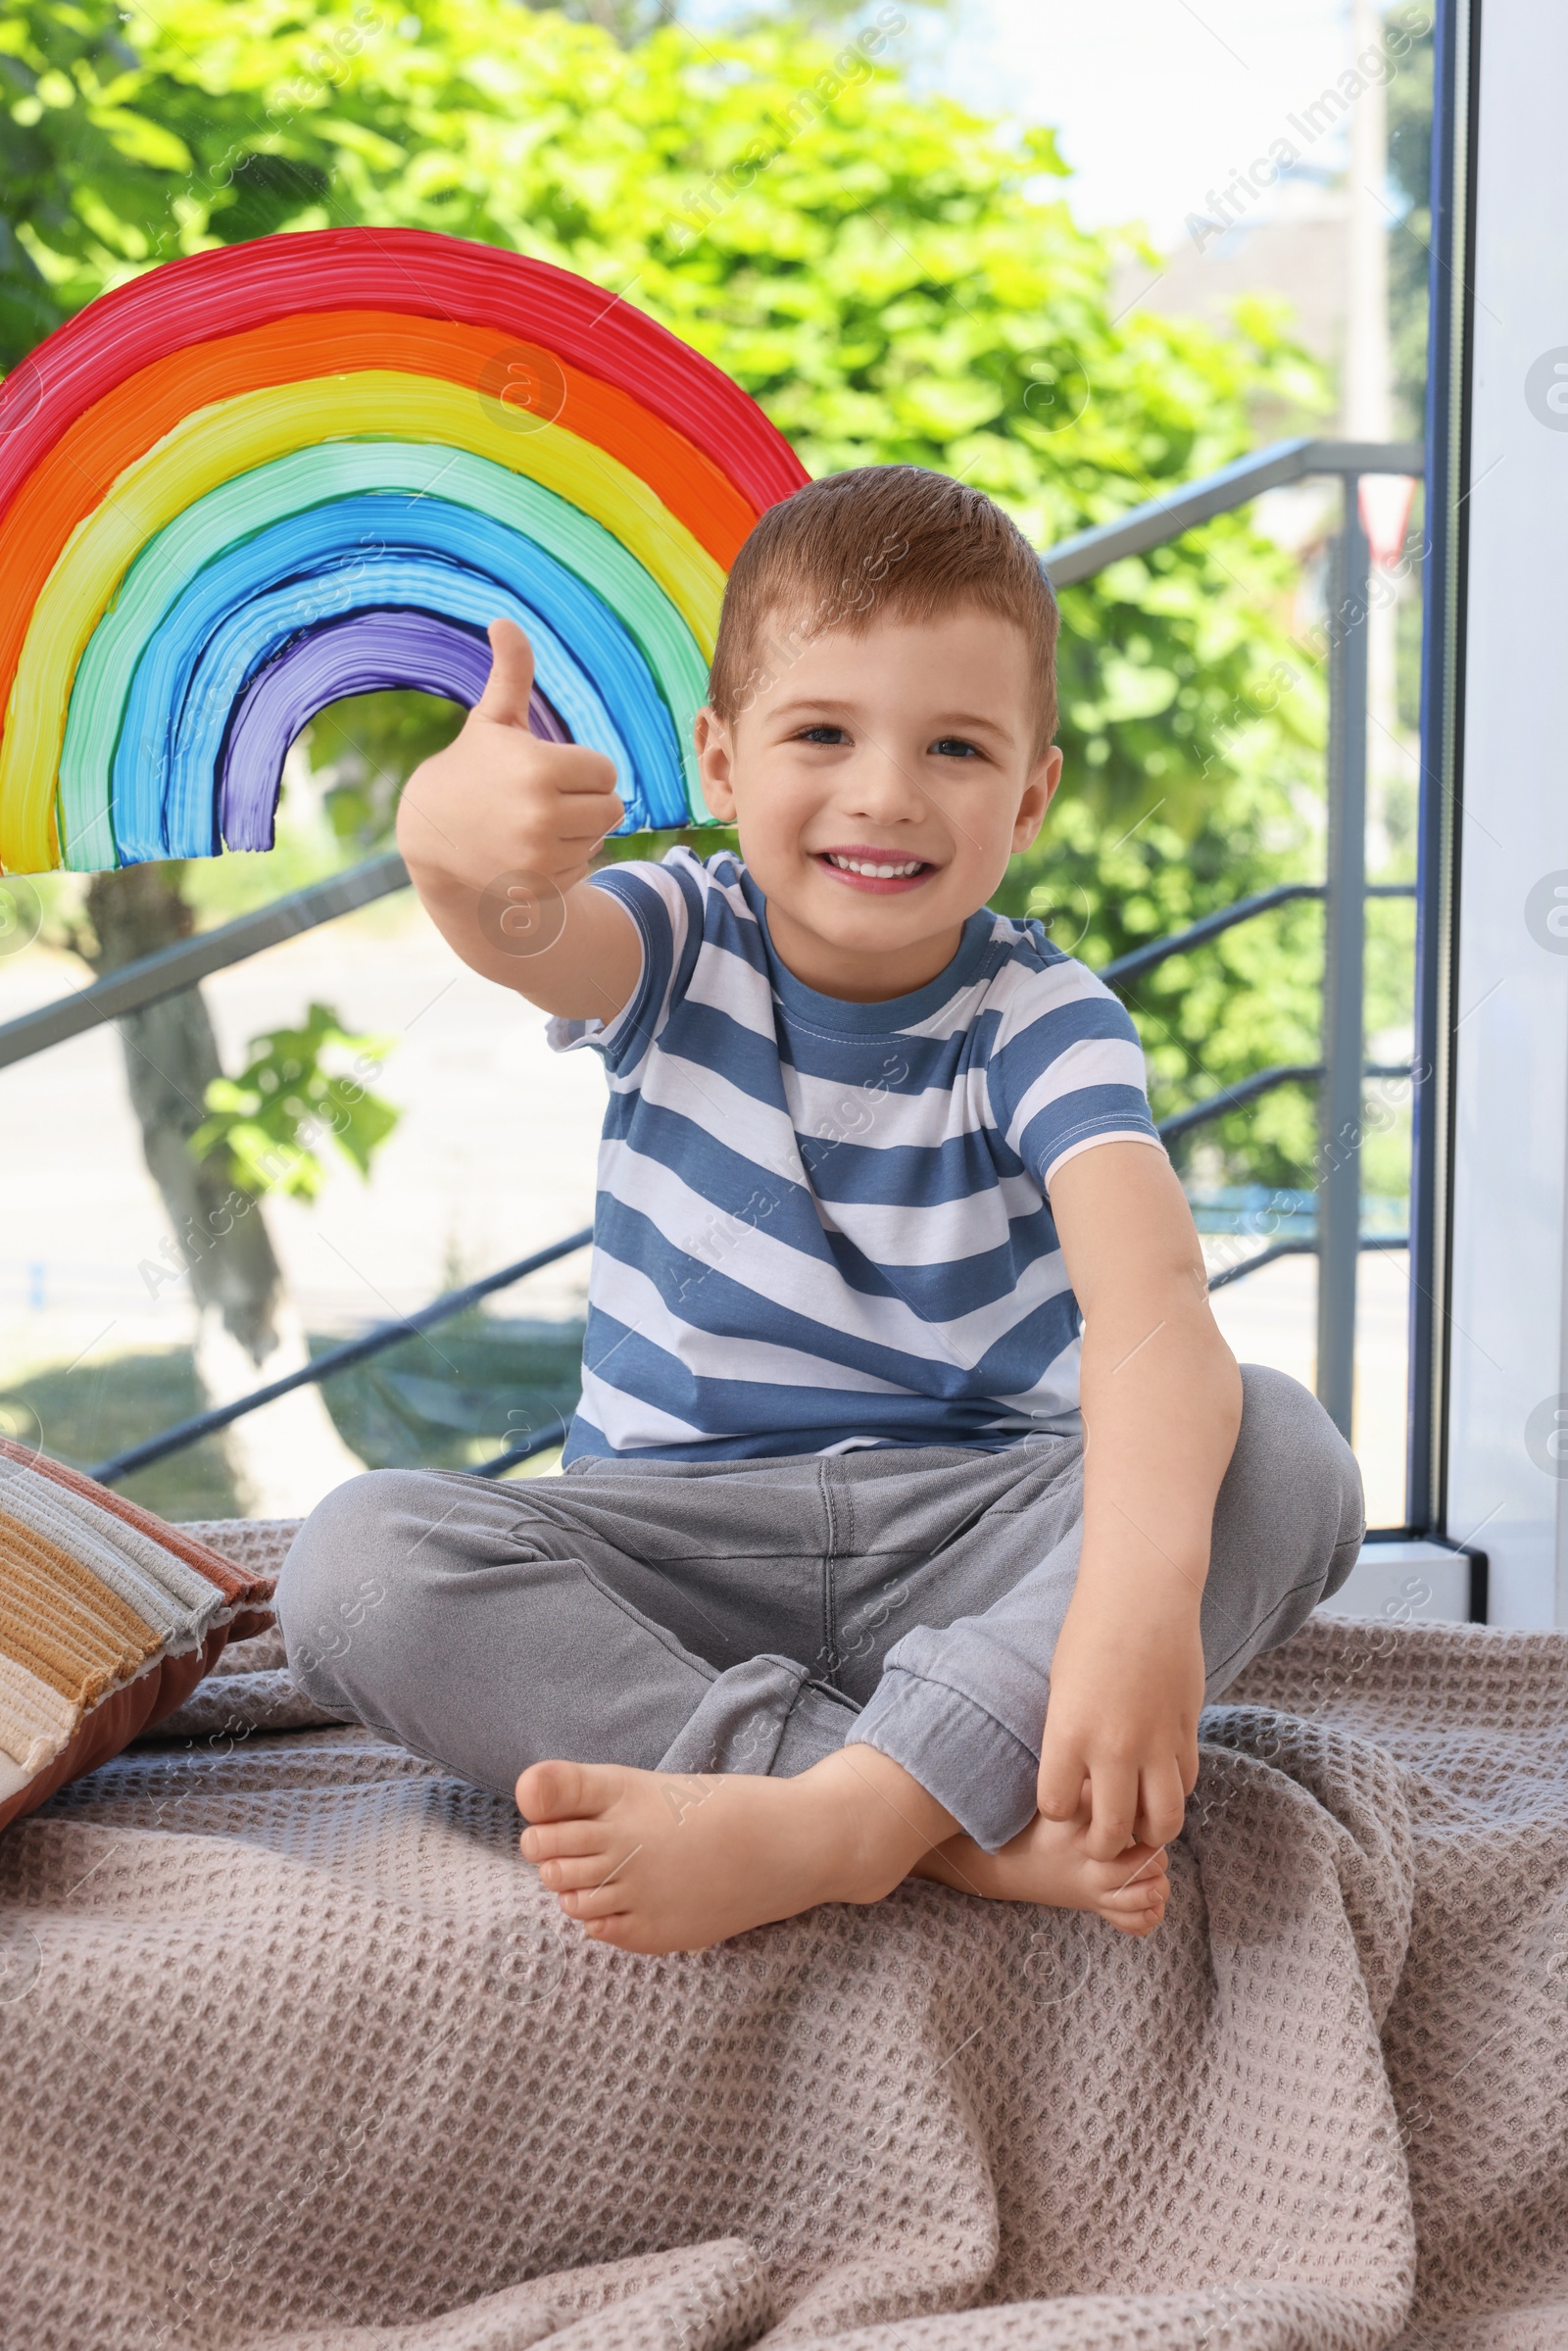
[{"x": 108, "y": 1619}]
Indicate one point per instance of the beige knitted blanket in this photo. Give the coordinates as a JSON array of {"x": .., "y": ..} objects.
[{"x": 297, "y": 2057}]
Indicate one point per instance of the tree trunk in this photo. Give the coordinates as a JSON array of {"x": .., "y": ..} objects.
[{"x": 282, "y": 1459}]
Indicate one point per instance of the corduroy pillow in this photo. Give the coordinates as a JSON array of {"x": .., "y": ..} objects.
[{"x": 109, "y": 1618}]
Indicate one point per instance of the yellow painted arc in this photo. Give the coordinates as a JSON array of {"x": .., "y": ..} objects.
[{"x": 214, "y": 444}]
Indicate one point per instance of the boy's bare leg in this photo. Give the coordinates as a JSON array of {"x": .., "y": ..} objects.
[{"x": 659, "y": 1861}]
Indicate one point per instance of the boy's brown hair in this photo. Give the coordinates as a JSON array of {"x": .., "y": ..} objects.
[{"x": 880, "y": 541}]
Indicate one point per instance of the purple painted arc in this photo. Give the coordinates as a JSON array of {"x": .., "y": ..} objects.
[{"x": 359, "y": 653}]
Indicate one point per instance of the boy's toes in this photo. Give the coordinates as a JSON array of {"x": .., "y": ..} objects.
[
  {"x": 561, "y": 1840},
  {"x": 1134, "y": 1903},
  {"x": 593, "y": 1902},
  {"x": 1151, "y": 1907},
  {"x": 560, "y": 1791},
  {"x": 571, "y": 1875},
  {"x": 1134, "y": 1917}
]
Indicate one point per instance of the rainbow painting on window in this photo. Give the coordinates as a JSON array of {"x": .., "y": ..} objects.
[{"x": 255, "y": 480}]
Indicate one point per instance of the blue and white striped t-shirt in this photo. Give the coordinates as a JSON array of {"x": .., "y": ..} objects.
[{"x": 823, "y": 1224}]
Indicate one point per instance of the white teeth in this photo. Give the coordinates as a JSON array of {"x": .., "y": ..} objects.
[{"x": 875, "y": 873}]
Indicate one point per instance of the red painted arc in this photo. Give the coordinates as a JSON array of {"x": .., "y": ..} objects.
[{"x": 231, "y": 287}]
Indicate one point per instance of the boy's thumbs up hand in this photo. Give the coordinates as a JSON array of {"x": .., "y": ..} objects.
[
  {"x": 499, "y": 801},
  {"x": 498, "y": 832},
  {"x": 505, "y": 700}
]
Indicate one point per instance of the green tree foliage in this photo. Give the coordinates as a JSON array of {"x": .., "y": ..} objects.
[
  {"x": 272, "y": 1122},
  {"x": 892, "y": 278}
]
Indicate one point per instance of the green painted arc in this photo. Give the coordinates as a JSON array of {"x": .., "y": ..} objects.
[{"x": 337, "y": 469}]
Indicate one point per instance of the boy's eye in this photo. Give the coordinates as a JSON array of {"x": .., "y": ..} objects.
[
  {"x": 822, "y": 734},
  {"x": 954, "y": 747}
]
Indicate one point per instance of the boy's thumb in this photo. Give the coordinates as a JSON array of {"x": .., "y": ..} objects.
[{"x": 505, "y": 700}]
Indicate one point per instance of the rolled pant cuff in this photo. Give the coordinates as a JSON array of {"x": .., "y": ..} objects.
[
  {"x": 766, "y": 1715},
  {"x": 975, "y": 1767}
]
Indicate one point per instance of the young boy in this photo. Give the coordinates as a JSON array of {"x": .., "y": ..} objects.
[{"x": 914, "y": 1503}]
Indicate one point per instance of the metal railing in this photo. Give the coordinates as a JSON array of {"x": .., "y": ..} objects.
[
  {"x": 152, "y": 978},
  {"x": 1340, "y": 1074},
  {"x": 444, "y": 1308},
  {"x": 1345, "y": 890}
]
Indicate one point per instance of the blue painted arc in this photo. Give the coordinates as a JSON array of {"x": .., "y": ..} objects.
[
  {"x": 327, "y": 560},
  {"x": 165, "y": 780},
  {"x": 477, "y": 503}
]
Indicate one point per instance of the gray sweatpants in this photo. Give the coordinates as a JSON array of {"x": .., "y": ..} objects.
[{"x": 754, "y": 1616}]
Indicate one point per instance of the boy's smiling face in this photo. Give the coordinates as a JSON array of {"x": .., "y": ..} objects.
[{"x": 880, "y": 782}]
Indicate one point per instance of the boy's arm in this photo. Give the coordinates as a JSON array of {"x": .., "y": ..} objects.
[
  {"x": 496, "y": 832},
  {"x": 1162, "y": 1401}
]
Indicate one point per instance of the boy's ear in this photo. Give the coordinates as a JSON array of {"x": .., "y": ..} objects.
[
  {"x": 1037, "y": 794},
  {"x": 715, "y": 760}
]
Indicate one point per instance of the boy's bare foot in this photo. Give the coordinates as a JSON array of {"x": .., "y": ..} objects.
[
  {"x": 657, "y": 1861},
  {"x": 1047, "y": 1864}
]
